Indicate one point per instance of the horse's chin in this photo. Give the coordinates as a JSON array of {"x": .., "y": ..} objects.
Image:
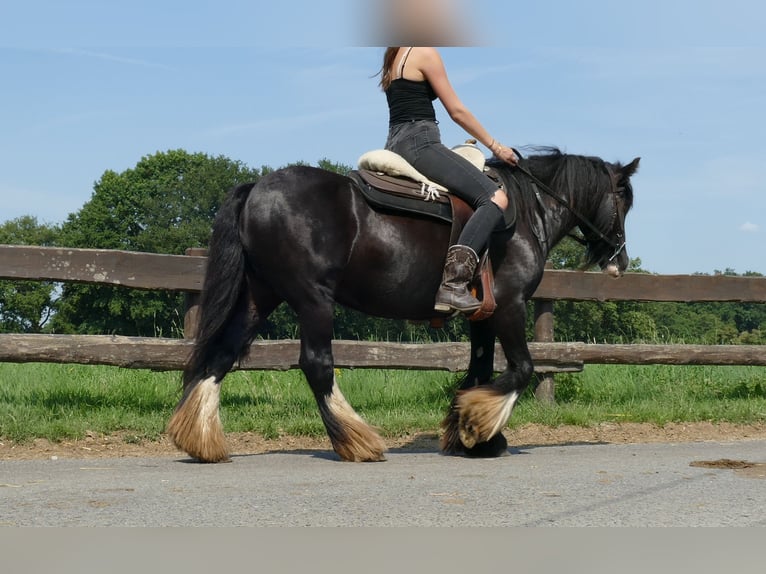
[{"x": 613, "y": 270}]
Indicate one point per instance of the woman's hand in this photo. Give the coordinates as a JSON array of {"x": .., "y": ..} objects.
[{"x": 505, "y": 153}]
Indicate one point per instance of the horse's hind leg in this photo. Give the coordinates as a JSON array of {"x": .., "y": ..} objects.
[
  {"x": 195, "y": 426},
  {"x": 352, "y": 438}
]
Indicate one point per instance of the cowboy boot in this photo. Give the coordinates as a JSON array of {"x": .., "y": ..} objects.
[{"x": 453, "y": 294}]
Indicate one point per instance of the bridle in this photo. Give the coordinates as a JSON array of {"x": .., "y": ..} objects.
[{"x": 618, "y": 245}]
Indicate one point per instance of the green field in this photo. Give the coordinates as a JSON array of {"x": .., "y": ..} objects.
[{"x": 67, "y": 401}]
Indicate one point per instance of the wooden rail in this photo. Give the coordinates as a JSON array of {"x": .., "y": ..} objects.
[
  {"x": 185, "y": 273},
  {"x": 169, "y": 354},
  {"x": 111, "y": 267}
]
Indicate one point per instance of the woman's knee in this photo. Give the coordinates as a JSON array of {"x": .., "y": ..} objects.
[{"x": 500, "y": 199}]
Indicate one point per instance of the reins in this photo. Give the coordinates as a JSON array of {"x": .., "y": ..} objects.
[{"x": 618, "y": 247}]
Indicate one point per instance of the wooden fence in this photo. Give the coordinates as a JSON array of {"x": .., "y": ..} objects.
[{"x": 184, "y": 273}]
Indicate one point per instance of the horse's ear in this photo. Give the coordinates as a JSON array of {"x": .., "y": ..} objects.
[{"x": 630, "y": 169}]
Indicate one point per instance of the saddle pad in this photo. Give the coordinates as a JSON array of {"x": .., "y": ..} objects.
[
  {"x": 472, "y": 153},
  {"x": 390, "y": 163}
]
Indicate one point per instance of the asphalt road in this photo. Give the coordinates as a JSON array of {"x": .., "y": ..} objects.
[{"x": 580, "y": 485}]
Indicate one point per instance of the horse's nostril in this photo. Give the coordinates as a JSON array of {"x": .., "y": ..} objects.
[{"x": 613, "y": 270}]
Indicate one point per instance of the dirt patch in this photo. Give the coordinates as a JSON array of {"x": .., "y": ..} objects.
[
  {"x": 124, "y": 445},
  {"x": 723, "y": 463},
  {"x": 741, "y": 467}
]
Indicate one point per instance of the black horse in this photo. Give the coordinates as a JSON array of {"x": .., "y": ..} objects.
[{"x": 306, "y": 236}]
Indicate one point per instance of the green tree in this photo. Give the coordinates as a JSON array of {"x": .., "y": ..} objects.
[
  {"x": 165, "y": 204},
  {"x": 27, "y": 306},
  {"x": 603, "y": 322},
  {"x": 329, "y": 165},
  {"x": 710, "y": 323},
  {"x": 567, "y": 254}
]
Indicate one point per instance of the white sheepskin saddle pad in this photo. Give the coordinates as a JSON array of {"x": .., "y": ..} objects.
[{"x": 390, "y": 163}]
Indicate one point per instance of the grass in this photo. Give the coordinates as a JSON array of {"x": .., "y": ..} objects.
[
  {"x": 68, "y": 401},
  {"x": 657, "y": 394}
]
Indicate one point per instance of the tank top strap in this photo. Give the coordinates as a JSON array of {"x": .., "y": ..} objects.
[{"x": 404, "y": 61}]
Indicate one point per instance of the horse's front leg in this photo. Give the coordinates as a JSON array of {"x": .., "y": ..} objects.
[
  {"x": 480, "y": 371},
  {"x": 479, "y": 413}
]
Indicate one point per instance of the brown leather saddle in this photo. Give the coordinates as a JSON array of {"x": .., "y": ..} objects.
[{"x": 406, "y": 195}]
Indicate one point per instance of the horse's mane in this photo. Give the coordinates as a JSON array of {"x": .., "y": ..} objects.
[{"x": 573, "y": 177}]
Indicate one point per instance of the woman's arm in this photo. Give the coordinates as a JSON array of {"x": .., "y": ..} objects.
[{"x": 430, "y": 64}]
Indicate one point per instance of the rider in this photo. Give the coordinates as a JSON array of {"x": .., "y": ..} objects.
[{"x": 412, "y": 77}]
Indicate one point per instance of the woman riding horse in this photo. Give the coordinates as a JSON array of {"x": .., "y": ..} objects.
[{"x": 412, "y": 78}]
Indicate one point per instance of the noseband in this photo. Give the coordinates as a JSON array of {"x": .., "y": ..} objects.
[{"x": 618, "y": 245}]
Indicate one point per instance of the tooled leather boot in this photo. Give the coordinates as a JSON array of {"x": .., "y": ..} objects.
[{"x": 453, "y": 294}]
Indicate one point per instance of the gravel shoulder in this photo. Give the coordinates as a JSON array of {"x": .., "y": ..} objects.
[{"x": 123, "y": 445}]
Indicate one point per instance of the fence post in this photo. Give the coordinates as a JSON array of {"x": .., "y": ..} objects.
[
  {"x": 545, "y": 390},
  {"x": 191, "y": 301}
]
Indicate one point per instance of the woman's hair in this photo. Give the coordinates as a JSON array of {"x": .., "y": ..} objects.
[{"x": 386, "y": 75}]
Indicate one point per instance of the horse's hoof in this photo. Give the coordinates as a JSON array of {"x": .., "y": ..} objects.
[
  {"x": 452, "y": 448},
  {"x": 495, "y": 447},
  {"x": 450, "y": 440},
  {"x": 483, "y": 411},
  {"x": 468, "y": 435}
]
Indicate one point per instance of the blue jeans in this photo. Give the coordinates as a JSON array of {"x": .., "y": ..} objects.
[{"x": 419, "y": 142}]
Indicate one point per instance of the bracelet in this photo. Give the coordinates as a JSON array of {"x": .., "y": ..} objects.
[{"x": 492, "y": 144}]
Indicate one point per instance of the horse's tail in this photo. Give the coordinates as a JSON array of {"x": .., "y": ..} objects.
[
  {"x": 196, "y": 424},
  {"x": 222, "y": 292}
]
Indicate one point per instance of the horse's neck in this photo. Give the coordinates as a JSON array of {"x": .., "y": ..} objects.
[
  {"x": 555, "y": 219},
  {"x": 557, "y": 223},
  {"x": 561, "y": 221}
]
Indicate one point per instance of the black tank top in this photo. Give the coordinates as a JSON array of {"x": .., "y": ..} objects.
[{"x": 409, "y": 100}]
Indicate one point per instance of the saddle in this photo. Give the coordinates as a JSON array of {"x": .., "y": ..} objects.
[{"x": 388, "y": 182}]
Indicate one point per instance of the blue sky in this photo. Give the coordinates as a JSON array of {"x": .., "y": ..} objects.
[{"x": 90, "y": 86}]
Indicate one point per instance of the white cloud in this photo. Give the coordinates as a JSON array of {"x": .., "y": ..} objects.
[
  {"x": 112, "y": 58},
  {"x": 748, "y": 227},
  {"x": 288, "y": 122}
]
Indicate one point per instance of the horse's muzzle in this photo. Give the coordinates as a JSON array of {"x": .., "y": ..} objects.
[{"x": 613, "y": 270}]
